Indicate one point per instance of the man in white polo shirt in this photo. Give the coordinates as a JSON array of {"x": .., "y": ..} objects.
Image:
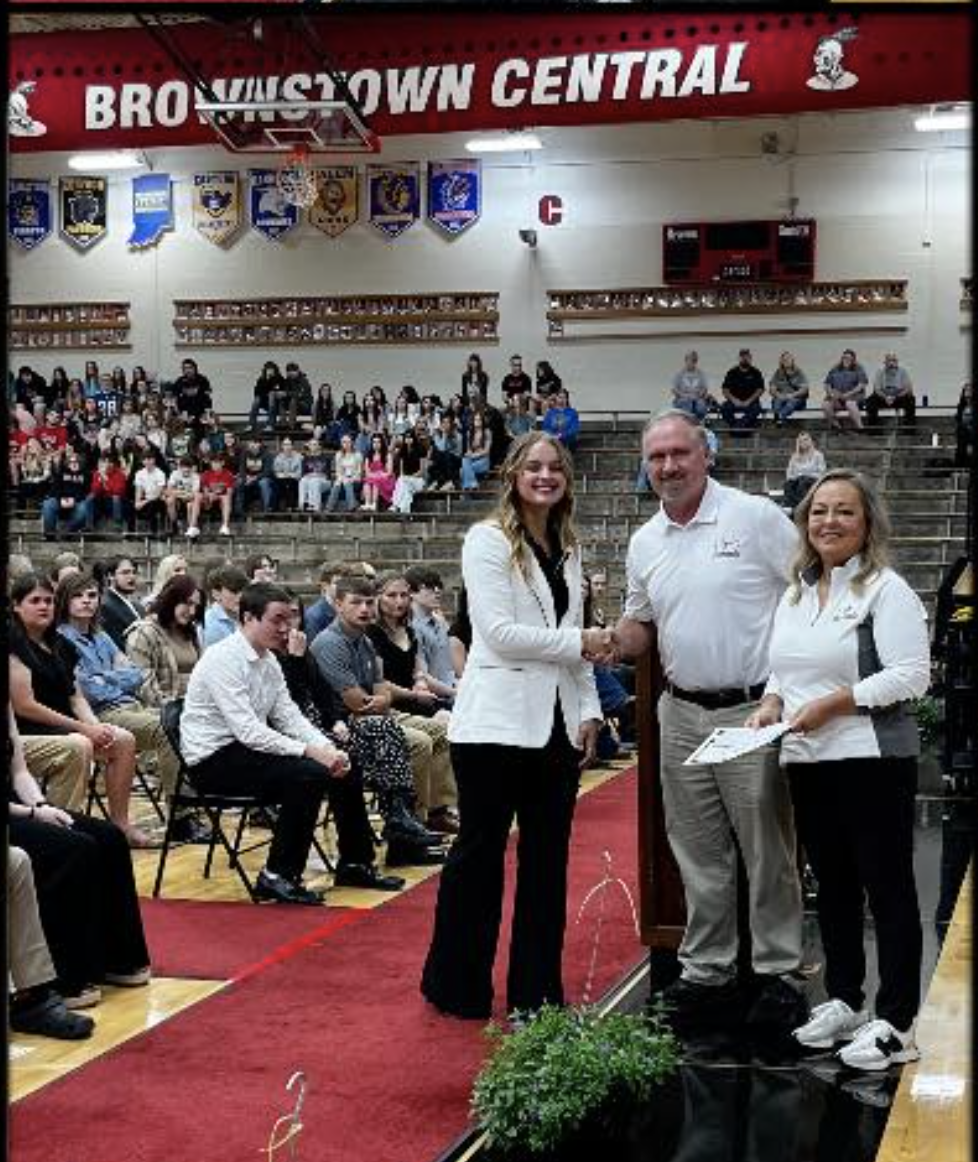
[{"x": 708, "y": 570}]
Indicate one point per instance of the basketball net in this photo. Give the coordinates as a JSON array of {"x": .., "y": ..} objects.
[{"x": 296, "y": 180}]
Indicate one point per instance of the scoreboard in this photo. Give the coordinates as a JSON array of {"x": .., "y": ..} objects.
[{"x": 711, "y": 253}]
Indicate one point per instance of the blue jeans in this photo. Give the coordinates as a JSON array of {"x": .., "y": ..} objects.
[
  {"x": 244, "y": 493},
  {"x": 473, "y": 471},
  {"x": 334, "y": 495},
  {"x": 97, "y": 506},
  {"x": 258, "y": 406},
  {"x": 738, "y": 415},
  {"x": 695, "y": 407},
  {"x": 51, "y": 512},
  {"x": 783, "y": 408}
]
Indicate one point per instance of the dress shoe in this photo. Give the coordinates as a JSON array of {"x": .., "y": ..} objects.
[
  {"x": 443, "y": 821},
  {"x": 279, "y": 890},
  {"x": 190, "y": 829},
  {"x": 404, "y": 853},
  {"x": 365, "y": 875}
]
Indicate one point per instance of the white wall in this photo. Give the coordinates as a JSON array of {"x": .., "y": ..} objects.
[{"x": 890, "y": 203}]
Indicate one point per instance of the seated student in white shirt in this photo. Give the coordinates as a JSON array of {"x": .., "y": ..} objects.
[
  {"x": 150, "y": 486},
  {"x": 241, "y": 732}
]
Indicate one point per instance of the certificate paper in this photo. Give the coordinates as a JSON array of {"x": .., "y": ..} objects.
[{"x": 730, "y": 742}]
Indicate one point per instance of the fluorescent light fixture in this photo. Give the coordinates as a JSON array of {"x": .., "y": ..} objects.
[
  {"x": 504, "y": 143},
  {"x": 946, "y": 119},
  {"x": 117, "y": 159}
]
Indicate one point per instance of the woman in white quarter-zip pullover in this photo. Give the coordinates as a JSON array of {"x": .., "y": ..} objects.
[
  {"x": 524, "y": 722},
  {"x": 849, "y": 653}
]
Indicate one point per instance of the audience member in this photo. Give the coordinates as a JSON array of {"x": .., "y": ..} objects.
[
  {"x": 547, "y": 382},
  {"x": 789, "y": 388},
  {"x": 241, "y": 732},
  {"x": 121, "y": 605},
  {"x": 475, "y": 381},
  {"x": 216, "y": 491},
  {"x": 410, "y": 465},
  {"x": 225, "y": 586},
  {"x": 431, "y": 627},
  {"x": 165, "y": 644},
  {"x": 347, "y": 475},
  {"x": 848, "y": 655},
  {"x": 182, "y": 487},
  {"x": 476, "y": 459},
  {"x": 47, "y": 700},
  {"x": 296, "y": 395},
  {"x": 66, "y": 501},
  {"x": 254, "y": 479},
  {"x": 805, "y": 466},
  {"x": 193, "y": 392},
  {"x": 170, "y": 566},
  {"x": 268, "y": 388},
  {"x": 516, "y": 381},
  {"x": 964, "y": 428},
  {"x": 107, "y": 494},
  {"x": 324, "y": 417},
  {"x": 261, "y": 567},
  {"x": 892, "y": 388},
  {"x": 845, "y": 390},
  {"x": 445, "y": 460},
  {"x": 150, "y": 486},
  {"x": 314, "y": 481},
  {"x": 562, "y": 421},
  {"x": 378, "y": 474},
  {"x": 743, "y": 387},
  {"x": 691, "y": 389}
]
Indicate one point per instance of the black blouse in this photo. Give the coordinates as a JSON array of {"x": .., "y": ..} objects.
[
  {"x": 399, "y": 664},
  {"x": 551, "y": 561},
  {"x": 52, "y": 679}
]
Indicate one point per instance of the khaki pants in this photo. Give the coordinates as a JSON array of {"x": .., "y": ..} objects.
[
  {"x": 144, "y": 724},
  {"x": 30, "y": 960},
  {"x": 705, "y": 808},
  {"x": 431, "y": 761},
  {"x": 62, "y": 764}
]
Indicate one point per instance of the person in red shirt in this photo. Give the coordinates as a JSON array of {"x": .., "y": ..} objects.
[
  {"x": 216, "y": 489},
  {"x": 53, "y": 433},
  {"x": 16, "y": 445},
  {"x": 107, "y": 494}
]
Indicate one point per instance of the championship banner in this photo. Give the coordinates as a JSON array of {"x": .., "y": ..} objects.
[
  {"x": 270, "y": 214},
  {"x": 152, "y": 209},
  {"x": 452, "y": 72},
  {"x": 28, "y": 211},
  {"x": 84, "y": 203},
  {"x": 454, "y": 194},
  {"x": 394, "y": 197},
  {"x": 216, "y": 205},
  {"x": 338, "y": 204}
]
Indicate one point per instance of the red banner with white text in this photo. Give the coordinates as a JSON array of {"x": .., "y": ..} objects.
[{"x": 443, "y": 72}]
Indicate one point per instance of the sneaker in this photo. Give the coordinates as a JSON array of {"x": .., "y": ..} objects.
[
  {"x": 192, "y": 532},
  {"x": 869, "y": 1091},
  {"x": 225, "y": 531},
  {"x": 82, "y": 997},
  {"x": 828, "y": 1025},
  {"x": 129, "y": 980},
  {"x": 877, "y": 1046}
]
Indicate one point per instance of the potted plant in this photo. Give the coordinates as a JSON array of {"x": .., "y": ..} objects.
[
  {"x": 564, "y": 1071},
  {"x": 928, "y": 712}
]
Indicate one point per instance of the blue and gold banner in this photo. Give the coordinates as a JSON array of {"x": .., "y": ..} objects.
[
  {"x": 394, "y": 195},
  {"x": 270, "y": 213},
  {"x": 338, "y": 204},
  {"x": 28, "y": 211},
  {"x": 84, "y": 203},
  {"x": 454, "y": 194},
  {"x": 152, "y": 209},
  {"x": 217, "y": 205}
]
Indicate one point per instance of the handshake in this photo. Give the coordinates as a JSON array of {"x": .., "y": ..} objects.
[{"x": 600, "y": 646}]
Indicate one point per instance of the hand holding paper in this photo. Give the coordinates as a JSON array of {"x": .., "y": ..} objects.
[{"x": 730, "y": 742}]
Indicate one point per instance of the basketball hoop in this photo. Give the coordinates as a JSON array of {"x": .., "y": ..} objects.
[{"x": 296, "y": 181}]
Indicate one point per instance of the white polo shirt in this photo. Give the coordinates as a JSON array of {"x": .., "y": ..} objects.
[{"x": 711, "y": 587}]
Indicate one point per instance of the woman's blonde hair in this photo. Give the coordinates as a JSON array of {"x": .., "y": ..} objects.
[
  {"x": 875, "y": 552},
  {"x": 508, "y": 514},
  {"x": 166, "y": 571}
]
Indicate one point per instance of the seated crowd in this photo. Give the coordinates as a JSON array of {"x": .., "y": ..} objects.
[
  {"x": 300, "y": 707},
  {"x": 136, "y": 452}
]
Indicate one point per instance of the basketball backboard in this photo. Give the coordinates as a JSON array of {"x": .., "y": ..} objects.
[{"x": 286, "y": 126}]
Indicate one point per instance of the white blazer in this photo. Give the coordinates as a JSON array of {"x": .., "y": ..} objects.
[{"x": 521, "y": 660}]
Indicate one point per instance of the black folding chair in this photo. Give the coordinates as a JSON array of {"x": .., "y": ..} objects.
[{"x": 187, "y": 797}]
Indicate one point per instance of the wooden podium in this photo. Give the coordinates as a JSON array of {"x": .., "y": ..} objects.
[{"x": 661, "y": 902}]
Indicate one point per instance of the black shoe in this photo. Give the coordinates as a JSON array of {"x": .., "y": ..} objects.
[
  {"x": 50, "y": 1018},
  {"x": 280, "y": 890},
  {"x": 400, "y": 821},
  {"x": 778, "y": 1008},
  {"x": 263, "y": 817},
  {"x": 190, "y": 829},
  {"x": 690, "y": 1008},
  {"x": 404, "y": 853},
  {"x": 365, "y": 875}
]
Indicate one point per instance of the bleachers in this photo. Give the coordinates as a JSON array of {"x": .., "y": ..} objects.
[{"x": 927, "y": 497}]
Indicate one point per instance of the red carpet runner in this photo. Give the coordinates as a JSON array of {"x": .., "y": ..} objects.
[{"x": 389, "y": 1080}]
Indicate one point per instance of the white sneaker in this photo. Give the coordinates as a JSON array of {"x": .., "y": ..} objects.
[
  {"x": 225, "y": 531},
  {"x": 878, "y": 1046},
  {"x": 829, "y": 1024},
  {"x": 192, "y": 532}
]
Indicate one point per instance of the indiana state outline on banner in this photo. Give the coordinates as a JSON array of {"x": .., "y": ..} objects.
[
  {"x": 28, "y": 211},
  {"x": 270, "y": 214},
  {"x": 454, "y": 194},
  {"x": 338, "y": 205},
  {"x": 84, "y": 206},
  {"x": 152, "y": 209},
  {"x": 216, "y": 205}
]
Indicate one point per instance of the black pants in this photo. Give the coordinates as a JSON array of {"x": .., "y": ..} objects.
[
  {"x": 295, "y": 785},
  {"x": 444, "y": 468},
  {"x": 495, "y": 783},
  {"x": 855, "y": 821},
  {"x": 903, "y": 403},
  {"x": 87, "y": 897}
]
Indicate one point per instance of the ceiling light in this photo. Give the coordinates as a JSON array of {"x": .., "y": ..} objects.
[
  {"x": 947, "y": 118},
  {"x": 504, "y": 143},
  {"x": 117, "y": 159}
]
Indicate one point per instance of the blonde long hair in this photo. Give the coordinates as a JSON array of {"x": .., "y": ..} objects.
[
  {"x": 508, "y": 514},
  {"x": 875, "y": 553}
]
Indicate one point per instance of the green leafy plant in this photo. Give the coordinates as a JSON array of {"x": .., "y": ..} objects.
[
  {"x": 927, "y": 711},
  {"x": 561, "y": 1067}
]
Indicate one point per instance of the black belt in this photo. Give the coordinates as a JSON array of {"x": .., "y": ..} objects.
[{"x": 718, "y": 699}]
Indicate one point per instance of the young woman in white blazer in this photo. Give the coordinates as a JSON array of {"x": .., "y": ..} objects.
[{"x": 524, "y": 723}]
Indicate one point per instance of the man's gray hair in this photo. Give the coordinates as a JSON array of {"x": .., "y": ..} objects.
[{"x": 677, "y": 414}]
